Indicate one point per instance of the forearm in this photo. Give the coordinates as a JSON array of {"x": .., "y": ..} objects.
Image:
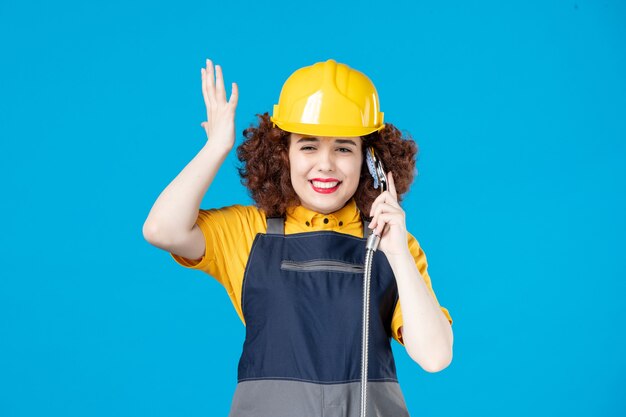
[
  {"x": 176, "y": 209},
  {"x": 426, "y": 332}
]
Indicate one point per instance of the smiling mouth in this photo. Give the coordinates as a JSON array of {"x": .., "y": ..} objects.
[{"x": 325, "y": 187}]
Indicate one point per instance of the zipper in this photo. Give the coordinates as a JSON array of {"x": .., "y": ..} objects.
[{"x": 322, "y": 265}]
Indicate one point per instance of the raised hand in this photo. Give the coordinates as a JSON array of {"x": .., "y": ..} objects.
[
  {"x": 389, "y": 222},
  {"x": 220, "y": 124}
]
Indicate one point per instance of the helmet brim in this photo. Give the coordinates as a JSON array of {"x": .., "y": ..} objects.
[{"x": 326, "y": 130}]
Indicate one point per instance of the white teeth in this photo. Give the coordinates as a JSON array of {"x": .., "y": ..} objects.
[{"x": 320, "y": 184}]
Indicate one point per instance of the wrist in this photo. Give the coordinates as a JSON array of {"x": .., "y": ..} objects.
[
  {"x": 400, "y": 256},
  {"x": 216, "y": 148}
]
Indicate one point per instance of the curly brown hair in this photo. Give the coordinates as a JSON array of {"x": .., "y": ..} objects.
[{"x": 264, "y": 154}]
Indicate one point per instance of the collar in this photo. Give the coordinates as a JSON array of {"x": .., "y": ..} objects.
[{"x": 346, "y": 216}]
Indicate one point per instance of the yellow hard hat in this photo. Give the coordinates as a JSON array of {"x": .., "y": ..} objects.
[{"x": 328, "y": 99}]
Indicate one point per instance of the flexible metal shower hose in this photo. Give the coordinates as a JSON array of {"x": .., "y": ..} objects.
[{"x": 372, "y": 245}]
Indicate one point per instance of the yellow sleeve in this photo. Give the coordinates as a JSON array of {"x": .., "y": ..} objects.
[
  {"x": 422, "y": 267},
  {"x": 228, "y": 234}
]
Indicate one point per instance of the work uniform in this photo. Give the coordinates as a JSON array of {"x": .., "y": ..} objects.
[{"x": 301, "y": 301}]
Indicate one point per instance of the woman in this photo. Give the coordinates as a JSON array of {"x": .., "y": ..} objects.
[{"x": 292, "y": 264}]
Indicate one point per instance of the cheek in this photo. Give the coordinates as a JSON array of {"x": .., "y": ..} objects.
[
  {"x": 296, "y": 169},
  {"x": 356, "y": 171},
  {"x": 292, "y": 165}
]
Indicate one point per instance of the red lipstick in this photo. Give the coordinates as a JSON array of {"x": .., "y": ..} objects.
[{"x": 322, "y": 187}]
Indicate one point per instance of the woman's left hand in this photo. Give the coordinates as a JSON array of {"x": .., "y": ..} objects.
[{"x": 388, "y": 221}]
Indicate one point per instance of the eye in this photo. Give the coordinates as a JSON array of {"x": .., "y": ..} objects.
[
  {"x": 344, "y": 150},
  {"x": 307, "y": 148}
]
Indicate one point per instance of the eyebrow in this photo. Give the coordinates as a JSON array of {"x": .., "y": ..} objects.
[{"x": 340, "y": 141}]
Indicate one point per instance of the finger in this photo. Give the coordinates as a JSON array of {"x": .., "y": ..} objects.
[
  {"x": 220, "y": 92},
  {"x": 234, "y": 95},
  {"x": 375, "y": 203},
  {"x": 383, "y": 224},
  {"x": 383, "y": 197},
  {"x": 210, "y": 85},
  {"x": 380, "y": 227},
  {"x": 390, "y": 196},
  {"x": 204, "y": 87},
  {"x": 392, "y": 185},
  {"x": 374, "y": 226},
  {"x": 388, "y": 212},
  {"x": 385, "y": 208}
]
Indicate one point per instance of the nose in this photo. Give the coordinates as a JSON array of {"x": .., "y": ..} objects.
[{"x": 326, "y": 161}]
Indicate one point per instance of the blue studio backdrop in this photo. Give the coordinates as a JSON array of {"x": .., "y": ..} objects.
[{"x": 519, "y": 112}]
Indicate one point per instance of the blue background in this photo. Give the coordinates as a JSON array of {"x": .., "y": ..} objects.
[{"x": 519, "y": 110}]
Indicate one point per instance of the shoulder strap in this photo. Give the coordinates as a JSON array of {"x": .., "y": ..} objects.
[{"x": 275, "y": 226}]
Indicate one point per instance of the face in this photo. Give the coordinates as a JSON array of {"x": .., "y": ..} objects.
[{"x": 325, "y": 171}]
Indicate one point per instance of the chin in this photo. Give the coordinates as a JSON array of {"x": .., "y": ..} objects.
[
  {"x": 327, "y": 208},
  {"x": 322, "y": 203}
]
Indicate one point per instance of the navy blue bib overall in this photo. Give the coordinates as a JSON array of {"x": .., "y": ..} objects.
[{"x": 302, "y": 303}]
